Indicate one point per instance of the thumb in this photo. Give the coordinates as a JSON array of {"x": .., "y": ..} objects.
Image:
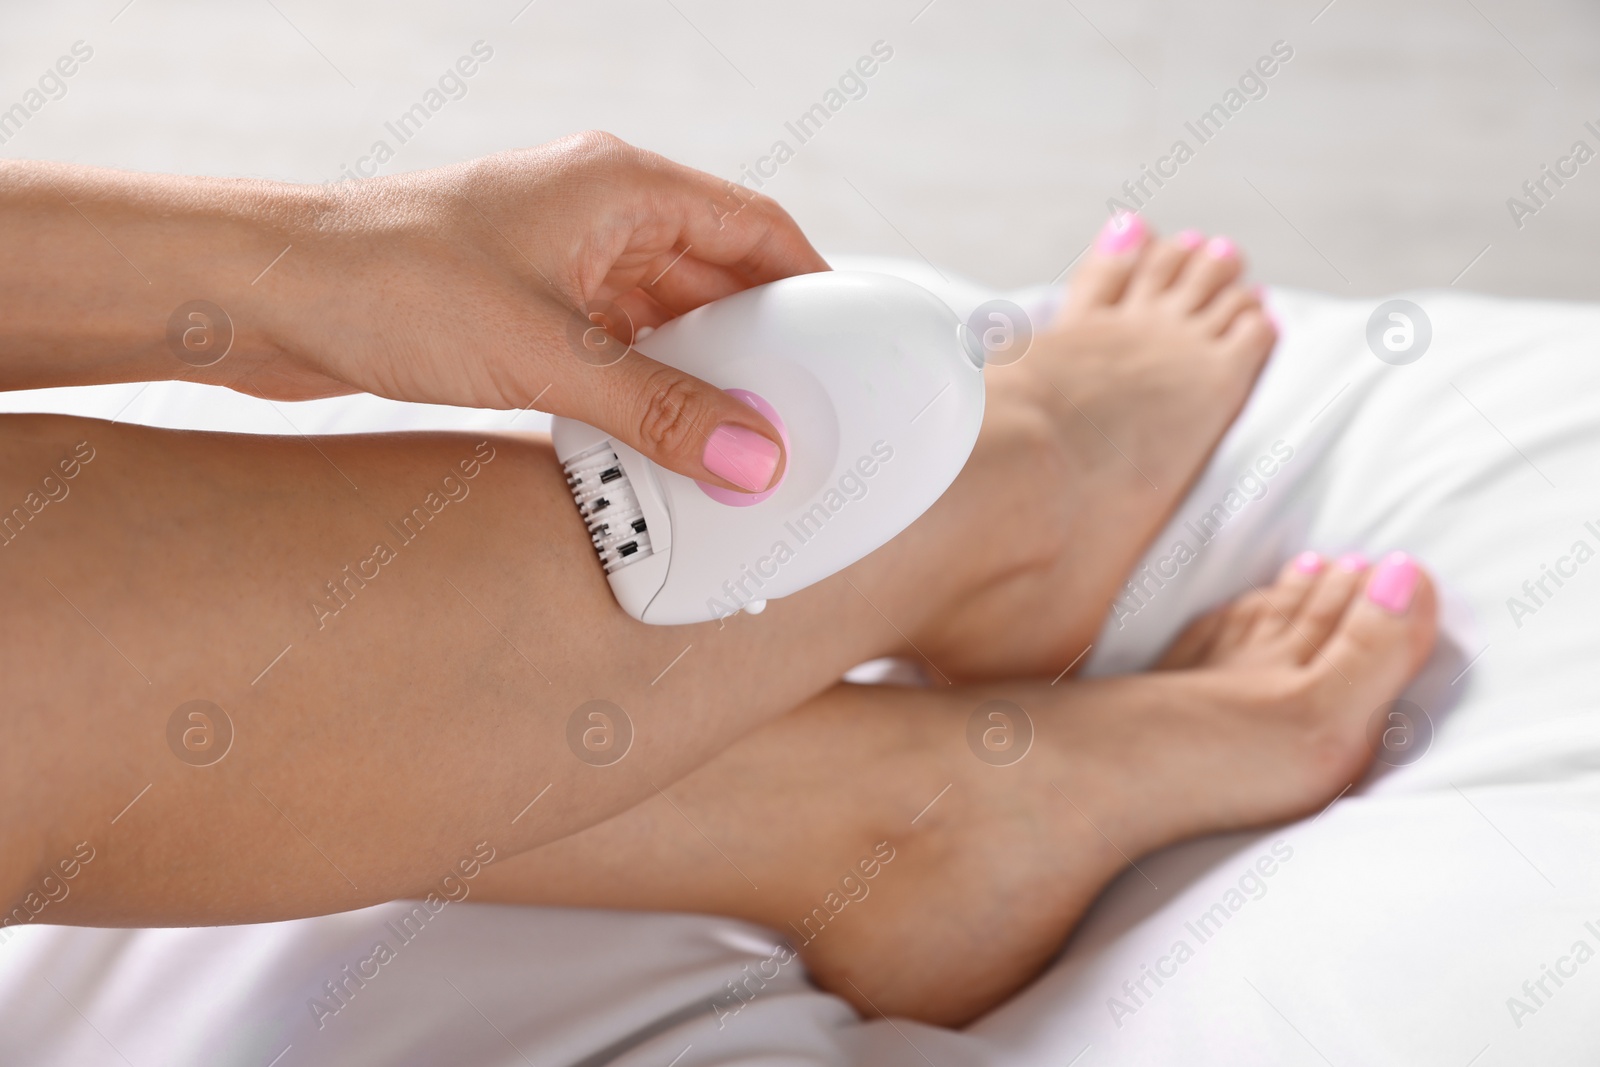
[{"x": 684, "y": 424}]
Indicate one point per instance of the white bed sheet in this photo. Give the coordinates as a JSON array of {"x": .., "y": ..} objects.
[{"x": 1395, "y": 928}]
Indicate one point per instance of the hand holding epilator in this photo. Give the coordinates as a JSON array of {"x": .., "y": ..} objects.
[{"x": 877, "y": 389}]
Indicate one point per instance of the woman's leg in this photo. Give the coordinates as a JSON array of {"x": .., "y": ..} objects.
[
  {"x": 1150, "y": 358},
  {"x": 918, "y": 879},
  {"x": 399, "y": 683},
  {"x": 399, "y": 693}
]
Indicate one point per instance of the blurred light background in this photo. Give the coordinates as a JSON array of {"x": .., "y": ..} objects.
[{"x": 1380, "y": 157}]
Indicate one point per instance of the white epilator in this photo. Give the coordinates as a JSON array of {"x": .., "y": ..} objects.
[{"x": 877, "y": 389}]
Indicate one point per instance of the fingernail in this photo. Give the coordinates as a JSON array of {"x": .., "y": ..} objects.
[
  {"x": 1394, "y": 583},
  {"x": 1352, "y": 561},
  {"x": 1122, "y": 231},
  {"x": 1189, "y": 240},
  {"x": 1220, "y": 248},
  {"x": 1308, "y": 562},
  {"x": 741, "y": 456}
]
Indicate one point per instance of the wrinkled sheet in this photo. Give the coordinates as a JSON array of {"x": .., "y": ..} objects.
[{"x": 1411, "y": 922}]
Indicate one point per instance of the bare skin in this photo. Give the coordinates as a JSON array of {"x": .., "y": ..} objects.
[
  {"x": 383, "y": 742},
  {"x": 386, "y": 711},
  {"x": 1152, "y": 354},
  {"x": 391, "y": 736},
  {"x": 472, "y": 284},
  {"x": 1259, "y": 714}
]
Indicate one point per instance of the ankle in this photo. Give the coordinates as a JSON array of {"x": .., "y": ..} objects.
[
  {"x": 995, "y": 520},
  {"x": 1100, "y": 749}
]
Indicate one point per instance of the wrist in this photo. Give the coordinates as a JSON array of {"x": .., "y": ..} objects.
[
  {"x": 102, "y": 262},
  {"x": 238, "y": 275}
]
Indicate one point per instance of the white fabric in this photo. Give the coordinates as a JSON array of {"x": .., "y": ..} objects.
[{"x": 1393, "y": 927}]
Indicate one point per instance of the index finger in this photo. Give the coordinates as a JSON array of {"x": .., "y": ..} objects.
[{"x": 733, "y": 227}]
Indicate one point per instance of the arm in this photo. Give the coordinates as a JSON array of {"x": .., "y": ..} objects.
[
  {"x": 479, "y": 284},
  {"x": 98, "y": 261}
]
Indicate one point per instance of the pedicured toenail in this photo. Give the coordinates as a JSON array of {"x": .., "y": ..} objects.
[
  {"x": 1220, "y": 248},
  {"x": 1394, "y": 583},
  {"x": 1189, "y": 240},
  {"x": 1121, "y": 233},
  {"x": 1308, "y": 563},
  {"x": 1352, "y": 561}
]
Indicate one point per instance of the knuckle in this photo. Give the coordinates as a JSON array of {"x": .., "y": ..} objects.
[
  {"x": 754, "y": 207},
  {"x": 597, "y": 142},
  {"x": 594, "y": 150},
  {"x": 761, "y": 202},
  {"x": 671, "y": 413}
]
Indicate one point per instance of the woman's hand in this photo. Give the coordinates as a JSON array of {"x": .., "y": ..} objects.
[
  {"x": 518, "y": 280},
  {"x": 511, "y": 281}
]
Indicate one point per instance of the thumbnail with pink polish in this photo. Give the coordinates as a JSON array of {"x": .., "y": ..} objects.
[
  {"x": 1394, "y": 583},
  {"x": 1220, "y": 248},
  {"x": 741, "y": 455},
  {"x": 1353, "y": 561},
  {"x": 1308, "y": 563}
]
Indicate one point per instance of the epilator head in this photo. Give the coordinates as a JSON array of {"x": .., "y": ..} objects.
[{"x": 877, "y": 390}]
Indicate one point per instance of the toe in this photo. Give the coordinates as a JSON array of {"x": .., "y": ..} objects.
[
  {"x": 1206, "y": 273},
  {"x": 1263, "y": 624},
  {"x": 1104, "y": 273},
  {"x": 1234, "y": 300},
  {"x": 1161, "y": 264},
  {"x": 1228, "y": 632},
  {"x": 1193, "y": 646},
  {"x": 1295, "y": 581},
  {"x": 1324, "y": 604},
  {"x": 1389, "y": 630},
  {"x": 1252, "y": 334}
]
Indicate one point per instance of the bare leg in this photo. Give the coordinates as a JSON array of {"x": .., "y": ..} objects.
[
  {"x": 1153, "y": 353},
  {"x": 1252, "y": 724},
  {"x": 414, "y": 711},
  {"x": 375, "y": 746}
]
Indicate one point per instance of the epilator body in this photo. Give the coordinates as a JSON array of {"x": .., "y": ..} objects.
[{"x": 878, "y": 390}]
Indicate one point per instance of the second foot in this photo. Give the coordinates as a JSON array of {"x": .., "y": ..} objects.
[{"x": 1260, "y": 716}]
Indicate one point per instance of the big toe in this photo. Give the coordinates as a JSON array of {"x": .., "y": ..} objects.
[
  {"x": 1388, "y": 630},
  {"x": 1103, "y": 275}
]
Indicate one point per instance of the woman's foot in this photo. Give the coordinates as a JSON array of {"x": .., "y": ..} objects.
[
  {"x": 918, "y": 876},
  {"x": 1097, "y": 433},
  {"x": 1262, "y": 717}
]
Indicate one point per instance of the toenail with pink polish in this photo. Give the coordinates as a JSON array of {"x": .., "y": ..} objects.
[
  {"x": 1394, "y": 583},
  {"x": 1122, "y": 232},
  {"x": 1352, "y": 561},
  {"x": 1220, "y": 248},
  {"x": 1189, "y": 240},
  {"x": 1308, "y": 562}
]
